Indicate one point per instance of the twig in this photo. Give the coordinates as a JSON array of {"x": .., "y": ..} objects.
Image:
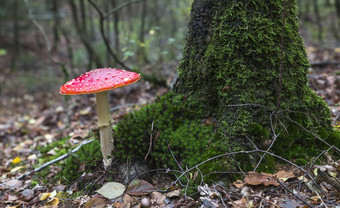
[
  {"x": 296, "y": 196},
  {"x": 180, "y": 167},
  {"x": 118, "y": 107},
  {"x": 214, "y": 186},
  {"x": 55, "y": 160},
  {"x": 150, "y": 145},
  {"x": 48, "y": 44},
  {"x": 272, "y": 143},
  {"x": 250, "y": 104},
  {"x": 117, "y": 8},
  {"x": 106, "y": 40},
  {"x": 324, "y": 63},
  {"x": 281, "y": 64},
  {"x": 306, "y": 130}
]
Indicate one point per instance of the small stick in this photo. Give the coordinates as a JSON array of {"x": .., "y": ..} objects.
[
  {"x": 55, "y": 160},
  {"x": 150, "y": 145}
]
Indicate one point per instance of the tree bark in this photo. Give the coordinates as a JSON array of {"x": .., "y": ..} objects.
[
  {"x": 16, "y": 34},
  {"x": 93, "y": 56},
  {"x": 141, "y": 52},
  {"x": 318, "y": 19},
  {"x": 56, "y": 24}
]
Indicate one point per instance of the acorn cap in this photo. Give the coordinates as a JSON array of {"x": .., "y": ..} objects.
[{"x": 99, "y": 80}]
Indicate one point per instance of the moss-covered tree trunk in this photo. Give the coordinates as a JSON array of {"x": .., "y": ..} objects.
[{"x": 232, "y": 87}]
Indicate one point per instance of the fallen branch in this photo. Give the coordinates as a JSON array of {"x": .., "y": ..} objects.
[{"x": 55, "y": 160}]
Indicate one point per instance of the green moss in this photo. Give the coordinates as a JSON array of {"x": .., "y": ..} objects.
[{"x": 88, "y": 156}]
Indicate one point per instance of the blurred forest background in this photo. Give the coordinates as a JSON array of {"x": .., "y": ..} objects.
[{"x": 45, "y": 42}]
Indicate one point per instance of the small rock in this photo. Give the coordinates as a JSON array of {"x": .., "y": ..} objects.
[
  {"x": 27, "y": 195},
  {"x": 146, "y": 202}
]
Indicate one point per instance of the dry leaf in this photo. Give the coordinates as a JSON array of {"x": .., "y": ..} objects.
[
  {"x": 140, "y": 188},
  {"x": 16, "y": 169},
  {"x": 27, "y": 195},
  {"x": 254, "y": 178},
  {"x": 157, "y": 199},
  {"x": 242, "y": 203},
  {"x": 284, "y": 175},
  {"x": 95, "y": 203},
  {"x": 12, "y": 184},
  {"x": 173, "y": 193},
  {"x": 128, "y": 200},
  {"x": 238, "y": 184},
  {"x": 53, "y": 202}
]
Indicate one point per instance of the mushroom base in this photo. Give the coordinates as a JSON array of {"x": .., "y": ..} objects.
[{"x": 105, "y": 128}]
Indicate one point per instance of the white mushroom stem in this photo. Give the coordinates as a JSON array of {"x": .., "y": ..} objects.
[{"x": 105, "y": 128}]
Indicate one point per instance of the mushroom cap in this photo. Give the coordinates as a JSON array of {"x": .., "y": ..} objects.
[{"x": 99, "y": 80}]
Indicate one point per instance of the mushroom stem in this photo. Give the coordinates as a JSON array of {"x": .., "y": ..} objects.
[{"x": 105, "y": 128}]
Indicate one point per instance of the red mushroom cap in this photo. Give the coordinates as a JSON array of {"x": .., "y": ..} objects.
[{"x": 99, "y": 80}]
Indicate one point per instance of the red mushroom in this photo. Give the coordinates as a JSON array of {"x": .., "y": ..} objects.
[{"x": 99, "y": 81}]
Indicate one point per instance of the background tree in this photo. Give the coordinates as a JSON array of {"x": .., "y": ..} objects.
[{"x": 242, "y": 81}]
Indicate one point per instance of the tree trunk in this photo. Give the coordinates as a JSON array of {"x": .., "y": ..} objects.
[
  {"x": 228, "y": 92},
  {"x": 16, "y": 34},
  {"x": 56, "y": 24},
  {"x": 93, "y": 56},
  {"x": 115, "y": 19},
  {"x": 318, "y": 19},
  {"x": 141, "y": 51}
]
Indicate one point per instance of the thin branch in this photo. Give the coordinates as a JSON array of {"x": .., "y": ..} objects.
[
  {"x": 150, "y": 144},
  {"x": 180, "y": 167},
  {"x": 119, "y": 7},
  {"x": 281, "y": 64},
  {"x": 296, "y": 196},
  {"x": 317, "y": 137},
  {"x": 106, "y": 40},
  {"x": 274, "y": 139},
  {"x": 56, "y": 160}
]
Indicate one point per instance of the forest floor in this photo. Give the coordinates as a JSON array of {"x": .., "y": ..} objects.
[{"x": 31, "y": 118}]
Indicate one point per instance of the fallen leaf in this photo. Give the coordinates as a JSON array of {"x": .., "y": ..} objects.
[
  {"x": 288, "y": 203},
  {"x": 173, "y": 193},
  {"x": 16, "y": 160},
  {"x": 61, "y": 195},
  {"x": 303, "y": 178},
  {"x": 13, "y": 184},
  {"x": 44, "y": 196},
  {"x": 284, "y": 175},
  {"x": 27, "y": 195},
  {"x": 266, "y": 179},
  {"x": 95, "y": 202},
  {"x": 111, "y": 190},
  {"x": 51, "y": 152},
  {"x": 128, "y": 200},
  {"x": 15, "y": 205},
  {"x": 85, "y": 111},
  {"x": 241, "y": 203},
  {"x": 16, "y": 169},
  {"x": 238, "y": 184},
  {"x": 140, "y": 188},
  {"x": 157, "y": 199},
  {"x": 32, "y": 157},
  {"x": 53, "y": 202}
]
